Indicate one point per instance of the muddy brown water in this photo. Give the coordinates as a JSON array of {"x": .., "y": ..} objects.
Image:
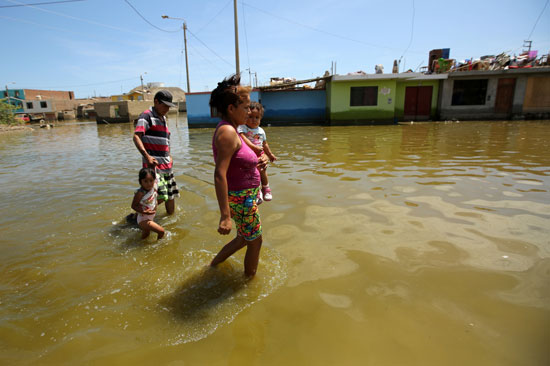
[{"x": 413, "y": 244}]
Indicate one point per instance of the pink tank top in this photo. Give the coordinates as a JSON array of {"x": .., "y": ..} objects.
[{"x": 242, "y": 172}]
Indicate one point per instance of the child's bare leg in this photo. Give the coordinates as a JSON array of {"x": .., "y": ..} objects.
[
  {"x": 150, "y": 225},
  {"x": 228, "y": 250},
  {"x": 263, "y": 176},
  {"x": 252, "y": 256}
]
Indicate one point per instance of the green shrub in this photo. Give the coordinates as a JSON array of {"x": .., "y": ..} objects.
[{"x": 7, "y": 116}]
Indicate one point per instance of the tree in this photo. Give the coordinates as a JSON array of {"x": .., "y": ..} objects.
[{"x": 6, "y": 113}]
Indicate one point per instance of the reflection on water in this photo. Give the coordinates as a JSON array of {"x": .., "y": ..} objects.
[{"x": 409, "y": 244}]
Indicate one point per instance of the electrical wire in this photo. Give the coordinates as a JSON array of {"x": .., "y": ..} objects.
[
  {"x": 44, "y": 3},
  {"x": 148, "y": 22},
  {"x": 75, "y": 18},
  {"x": 214, "y": 17},
  {"x": 322, "y": 31},
  {"x": 211, "y": 50},
  {"x": 92, "y": 84},
  {"x": 246, "y": 41},
  {"x": 205, "y": 59},
  {"x": 532, "y": 30},
  {"x": 412, "y": 32}
]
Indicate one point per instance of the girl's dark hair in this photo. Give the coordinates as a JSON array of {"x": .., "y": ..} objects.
[
  {"x": 258, "y": 106},
  {"x": 228, "y": 92},
  {"x": 144, "y": 172}
]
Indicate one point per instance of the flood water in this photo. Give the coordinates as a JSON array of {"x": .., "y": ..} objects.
[{"x": 414, "y": 244}]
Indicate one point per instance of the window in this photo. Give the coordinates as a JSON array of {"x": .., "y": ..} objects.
[
  {"x": 469, "y": 92},
  {"x": 43, "y": 105},
  {"x": 29, "y": 105},
  {"x": 363, "y": 95},
  {"x": 17, "y": 93},
  {"x": 5, "y": 94}
]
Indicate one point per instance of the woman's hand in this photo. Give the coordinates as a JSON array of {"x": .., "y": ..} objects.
[
  {"x": 263, "y": 160},
  {"x": 257, "y": 149},
  {"x": 224, "y": 227},
  {"x": 272, "y": 157}
]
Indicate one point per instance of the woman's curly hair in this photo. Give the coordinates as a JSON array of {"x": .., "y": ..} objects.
[{"x": 228, "y": 92}]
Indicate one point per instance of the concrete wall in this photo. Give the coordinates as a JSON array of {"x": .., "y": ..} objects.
[
  {"x": 117, "y": 112},
  {"x": 294, "y": 106},
  {"x": 198, "y": 109},
  {"x": 342, "y": 112},
  {"x": 483, "y": 111},
  {"x": 537, "y": 95},
  {"x": 37, "y": 106}
]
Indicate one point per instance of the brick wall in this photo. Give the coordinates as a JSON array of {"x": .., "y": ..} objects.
[{"x": 33, "y": 94}]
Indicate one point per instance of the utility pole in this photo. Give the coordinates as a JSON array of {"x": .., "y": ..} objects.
[
  {"x": 186, "y": 61},
  {"x": 528, "y": 45},
  {"x": 185, "y": 47},
  {"x": 141, "y": 78},
  {"x": 236, "y": 39}
]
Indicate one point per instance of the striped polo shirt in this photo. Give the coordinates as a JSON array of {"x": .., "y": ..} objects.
[{"x": 156, "y": 138}]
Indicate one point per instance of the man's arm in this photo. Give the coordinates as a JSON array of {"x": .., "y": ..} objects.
[{"x": 151, "y": 161}]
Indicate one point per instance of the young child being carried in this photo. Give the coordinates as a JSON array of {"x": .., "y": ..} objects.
[
  {"x": 254, "y": 136},
  {"x": 145, "y": 203}
]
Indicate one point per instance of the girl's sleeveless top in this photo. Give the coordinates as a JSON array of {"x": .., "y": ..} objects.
[{"x": 242, "y": 172}]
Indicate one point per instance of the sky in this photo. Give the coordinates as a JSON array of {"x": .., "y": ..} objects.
[{"x": 104, "y": 47}]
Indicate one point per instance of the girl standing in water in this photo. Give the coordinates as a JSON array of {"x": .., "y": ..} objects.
[
  {"x": 145, "y": 203},
  {"x": 236, "y": 177}
]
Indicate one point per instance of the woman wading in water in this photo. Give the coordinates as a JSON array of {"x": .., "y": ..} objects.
[{"x": 236, "y": 176}]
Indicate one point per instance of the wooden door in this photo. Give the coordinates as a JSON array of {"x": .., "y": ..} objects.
[
  {"x": 411, "y": 99},
  {"x": 505, "y": 95},
  {"x": 424, "y": 104},
  {"x": 418, "y": 102}
]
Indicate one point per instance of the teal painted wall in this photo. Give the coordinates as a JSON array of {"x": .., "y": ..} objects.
[
  {"x": 18, "y": 96},
  {"x": 339, "y": 101},
  {"x": 400, "y": 97}
]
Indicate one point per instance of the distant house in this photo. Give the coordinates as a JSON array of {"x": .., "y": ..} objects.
[
  {"x": 499, "y": 94},
  {"x": 389, "y": 98},
  {"x": 199, "y": 113},
  {"x": 382, "y": 98},
  {"x": 133, "y": 95},
  {"x": 41, "y": 104}
]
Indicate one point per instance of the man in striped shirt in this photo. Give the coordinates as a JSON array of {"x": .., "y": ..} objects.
[{"x": 152, "y": 140}]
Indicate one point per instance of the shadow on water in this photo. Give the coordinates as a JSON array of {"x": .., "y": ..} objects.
[{"x": 198, "y": 297}]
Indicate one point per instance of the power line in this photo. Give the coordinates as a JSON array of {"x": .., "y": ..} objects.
[
  {"x": 211, "y": 50},
  {"x": 73, "y": 17},
  {"x": 320, "y": 30},
  {"x": 214, "y": 17},
  {"x": 148, "y": 22},
  {"x": 246, "y": 42},
  {"x": 412, "y": 32},
  {"x": 532, "y": 30},
  {"x": 93, "y": 84},
  {"x": 44, "y": 3}
]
